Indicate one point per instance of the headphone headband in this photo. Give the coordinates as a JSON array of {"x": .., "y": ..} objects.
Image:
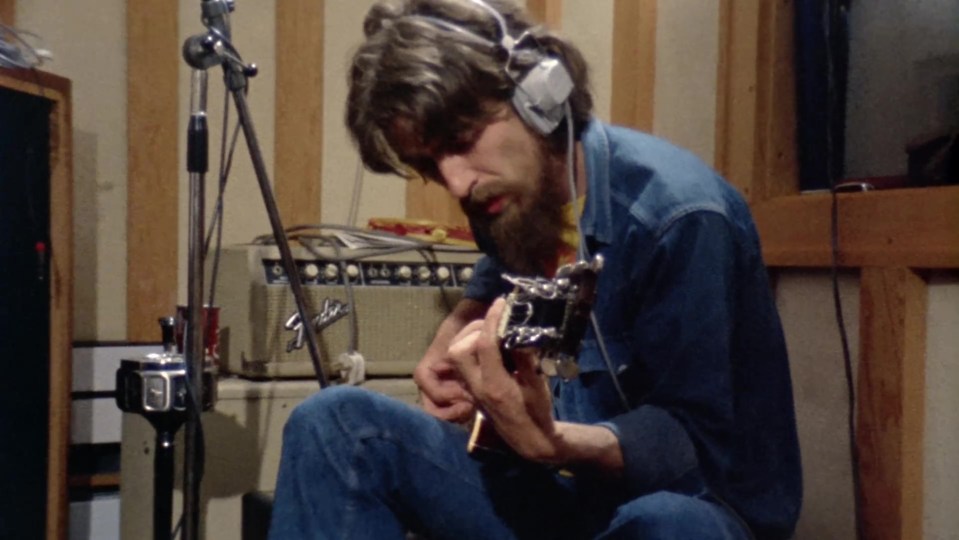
[{"x": 506, "y": 40}]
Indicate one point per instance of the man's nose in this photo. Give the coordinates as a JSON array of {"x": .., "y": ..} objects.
[{"x": 457, "y": 175}]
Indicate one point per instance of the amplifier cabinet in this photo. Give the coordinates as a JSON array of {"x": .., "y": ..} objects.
[{"x": 397, "y": 300}]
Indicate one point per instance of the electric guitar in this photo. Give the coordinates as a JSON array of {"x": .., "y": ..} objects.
[{"x": 547, "y": 314}]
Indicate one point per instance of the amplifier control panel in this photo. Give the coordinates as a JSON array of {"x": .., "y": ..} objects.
[{"x": 372, "y": 273}]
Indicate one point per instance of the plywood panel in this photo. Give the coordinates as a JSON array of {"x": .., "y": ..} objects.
[
  {"x": 634, "y": 63},
  {"x": 755, "y": 101},
  {"x": 549, "y": 12},
  {"x": 298, "y": 131},
  {"x": 152, "y": 138},
  {"x": 777, "y": 172},
  {"x": 8, "y": 12},
  {"x": 891, "y": 401},
  {"x": 736, "y": 99}
]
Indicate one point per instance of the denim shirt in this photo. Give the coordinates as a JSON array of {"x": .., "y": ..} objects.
[{"x": 686, "y": 313}]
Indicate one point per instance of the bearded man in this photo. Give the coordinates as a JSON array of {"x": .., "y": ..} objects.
[{"x": 680, "y": 423}]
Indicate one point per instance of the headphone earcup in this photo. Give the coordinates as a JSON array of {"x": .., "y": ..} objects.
[{"x": 540, "y": 96}]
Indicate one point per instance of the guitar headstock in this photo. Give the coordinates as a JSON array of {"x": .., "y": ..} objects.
[{"x": 551, "y": 315}]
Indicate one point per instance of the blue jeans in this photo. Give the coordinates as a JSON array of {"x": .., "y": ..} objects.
[{"x": 359, "y": 465}]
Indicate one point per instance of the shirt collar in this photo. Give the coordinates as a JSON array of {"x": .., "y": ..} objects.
[{"x": 597, "y": 219}]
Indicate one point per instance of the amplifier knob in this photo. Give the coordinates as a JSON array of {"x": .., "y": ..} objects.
[
  {"x": 423, "y": 273},
  {"x": 443, "y": 274},
  {"x": 352, "y": 271},
  {"x": 404, "y": 273},
  {"x": 311, "y": 271},
  {"x": 465, "y": 274},
  {"x": 330, "y": 271}
]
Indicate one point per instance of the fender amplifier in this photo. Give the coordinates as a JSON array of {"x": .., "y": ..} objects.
[{"x": 388, "y": 313}]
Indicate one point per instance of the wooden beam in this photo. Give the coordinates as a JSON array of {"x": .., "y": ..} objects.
[
  {"x": 634, "y": 63},
  {"x": 61, "y": 308},
  {"x": 736, "y": 99},
  {"x": 776, "y": 155},
  {"x": 95, "y": 481},
  {"x": 549, "y": 12},
  {"x": 891, "y": 401},
  {"x": 298, "y": 119},
  {"x": 755, "y": 98},
  {"x": 917, "y": 228},
  {"x": 153, "y": 164},
  {"x": 58, "y": 91},
  {"x": 8, "y": 12}
]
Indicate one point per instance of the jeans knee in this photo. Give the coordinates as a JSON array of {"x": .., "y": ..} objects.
[
  {"x": 321, "y": 410},
  {"x": 666, "y": 515}
]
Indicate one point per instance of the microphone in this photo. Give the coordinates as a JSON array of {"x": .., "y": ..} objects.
[{"x": 216, "y": 16}]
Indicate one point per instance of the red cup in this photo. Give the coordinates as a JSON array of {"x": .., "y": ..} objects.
[{"x": 211, "y": 324}]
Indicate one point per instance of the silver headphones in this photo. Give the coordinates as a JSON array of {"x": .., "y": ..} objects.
[{"x": 539, "y": 97}]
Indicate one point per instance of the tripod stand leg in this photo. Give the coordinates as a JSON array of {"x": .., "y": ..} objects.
[{"x": 163, "y": 485}]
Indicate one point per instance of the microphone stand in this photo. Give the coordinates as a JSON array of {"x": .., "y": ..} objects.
[
  {"x": 195, "y": 355},
  {"x": 202, "y": 52}
]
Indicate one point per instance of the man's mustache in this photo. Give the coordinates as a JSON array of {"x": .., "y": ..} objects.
[{"x": 479, "y": 198}]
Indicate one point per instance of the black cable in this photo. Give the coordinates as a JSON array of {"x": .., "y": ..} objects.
[
  {"x": 226, "y": 164},
  {"x": 847, "y": 365},
  {"x": 832, "y": 12}
]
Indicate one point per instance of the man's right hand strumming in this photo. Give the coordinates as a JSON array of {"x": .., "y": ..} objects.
[{"x": 442, "y": 393}]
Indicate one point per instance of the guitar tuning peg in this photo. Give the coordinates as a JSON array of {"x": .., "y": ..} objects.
[
  {"x": 548, "y": 367},
  {"x": 567, "y": 368}
]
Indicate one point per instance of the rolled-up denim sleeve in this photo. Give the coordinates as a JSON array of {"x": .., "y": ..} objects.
[
  {"x": 682, "y": 333},
  {"x": 487, "y": 282}
]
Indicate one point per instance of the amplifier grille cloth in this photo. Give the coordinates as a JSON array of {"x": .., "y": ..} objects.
[{"x": 395, "y": 324}]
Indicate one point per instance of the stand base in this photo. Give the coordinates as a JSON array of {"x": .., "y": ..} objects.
[{"x": 257, "y": 511}]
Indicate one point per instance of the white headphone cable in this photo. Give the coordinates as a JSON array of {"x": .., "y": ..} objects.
[{"x": 583, "y": 254}]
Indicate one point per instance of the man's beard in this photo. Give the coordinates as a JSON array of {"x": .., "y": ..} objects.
[{"x": 528, "y": 238}]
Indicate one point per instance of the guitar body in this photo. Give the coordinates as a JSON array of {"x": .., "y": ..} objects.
[{"x": 548, "y": 315}]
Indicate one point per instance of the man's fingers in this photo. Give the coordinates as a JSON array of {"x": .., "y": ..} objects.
[
  {"x": 441, "y": 389},
  {"x": 455, "y": 412},
  {"x": 471, "y": 327},
  {"x": 487, "y": 346},
  {"x": 463, "y": 350}
]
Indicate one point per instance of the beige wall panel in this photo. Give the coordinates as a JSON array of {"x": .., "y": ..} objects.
[
  {"x": 588, "y": 24},
  {"x": 804, "y": 299},
  {"x": 381, "y": 195},
  {"x": 687, "y": 52},
  {"x": 87, "y": 39},
  {"x": 941, "y": 476},
  {"x": 245, "y": 215}
]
